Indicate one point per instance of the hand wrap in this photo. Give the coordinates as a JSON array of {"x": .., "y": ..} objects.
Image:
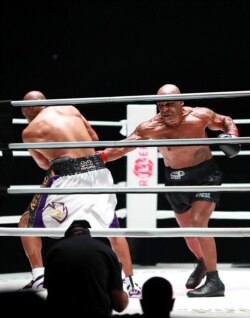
[{"x": 102, "y": 155}]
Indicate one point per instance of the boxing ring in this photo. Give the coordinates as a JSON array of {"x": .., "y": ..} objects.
[{"x": 142, "y": 178}]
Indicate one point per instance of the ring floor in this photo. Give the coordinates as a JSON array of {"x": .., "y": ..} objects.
[{"x": 236, "y": 278}]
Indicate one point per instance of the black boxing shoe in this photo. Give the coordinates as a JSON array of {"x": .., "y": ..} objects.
[
  {"x": 197, "y": 275},
  {"x": 213, "y": 287}
]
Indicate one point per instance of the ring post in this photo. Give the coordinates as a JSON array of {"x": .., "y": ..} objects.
[{"x": 142, "y": 170}]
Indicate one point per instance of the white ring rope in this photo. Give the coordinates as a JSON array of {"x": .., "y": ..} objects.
[
  {"x": 131, "y": 143},
  {"x": 160, "y": 215},
  {"x": 173, "y": 232},
  {"x": 220, "y": 153},
  {"x": 226, "y": 187},
  {"x": 18, "y": 154},
  {"x": 242, "y": 121},
  {"x": 214, "y": 153},
  {"x": 92, "y": 122},
  {"x": 216, "y": 215},
  {"x": 138, "y": 98},
  {"x": 122, "y": 122}
]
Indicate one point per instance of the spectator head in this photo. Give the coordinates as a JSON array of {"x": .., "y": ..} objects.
[
  {"x": 78, "y": 227},
  {"x": 157, "y": 297}
]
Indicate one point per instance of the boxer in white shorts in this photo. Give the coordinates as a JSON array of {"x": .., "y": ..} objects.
[{"x": 68, "y": 167}]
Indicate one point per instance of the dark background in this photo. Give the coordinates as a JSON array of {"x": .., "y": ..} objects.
[{"x": 71, "y": 49}]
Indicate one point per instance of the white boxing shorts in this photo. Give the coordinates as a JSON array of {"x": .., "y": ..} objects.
[{"x": 60, "y": 210}]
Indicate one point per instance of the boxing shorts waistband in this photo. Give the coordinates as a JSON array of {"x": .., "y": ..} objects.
[
  {"x": 205, "y": 166},
  {"x": 68, "y": 166}
]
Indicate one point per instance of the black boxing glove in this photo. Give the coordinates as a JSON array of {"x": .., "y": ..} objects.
[{"x": 230, "y": 150}]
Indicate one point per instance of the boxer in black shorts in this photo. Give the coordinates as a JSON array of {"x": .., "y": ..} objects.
[{"x": 189, "y": 165}]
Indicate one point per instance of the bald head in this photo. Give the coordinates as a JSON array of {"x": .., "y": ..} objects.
[
  {"x": 170, "y": 110},
  {"x": 31, "y": 112},
  {"x": 33, "y": 95},
  {"x": 168, "y": 89}
]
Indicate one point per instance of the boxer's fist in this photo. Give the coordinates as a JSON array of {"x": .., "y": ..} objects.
[{"x": 230, "y": 150}]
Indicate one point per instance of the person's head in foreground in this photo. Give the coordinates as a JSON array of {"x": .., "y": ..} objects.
[{"x": 157, "y": 297}]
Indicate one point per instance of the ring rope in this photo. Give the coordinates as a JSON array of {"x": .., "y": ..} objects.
[
  {"x": 114, "y": 123},
  {"x": 18, "y": 154},
  {"x": 131, "y": 143},
  {"x": 32, "y": 189},
  {"x": 173, "y": 232},
  {"x": 214, "y": 153},
  {"x": 220, "y": 153},
  {"x": 160, "y": 215},
  {"x": 242, "y": 121},
  {"x": 138, "y": 98},
  {"x": 169, "y": 214},
  {"x": 92, "y": 122}
]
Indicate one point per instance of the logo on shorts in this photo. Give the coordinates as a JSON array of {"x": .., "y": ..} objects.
[
  {"x": 203, "y": 195},
  {"x": 177, "y": 175},
  {"x": 143, "y": 168},
  {"x": 54, "y": 213},
  {"x": 87, "y": 164}
]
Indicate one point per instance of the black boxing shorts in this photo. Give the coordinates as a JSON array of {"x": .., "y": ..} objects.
[{"x": 206, "y": 173}]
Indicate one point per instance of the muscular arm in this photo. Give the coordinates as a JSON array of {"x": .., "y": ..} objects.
[
  {"x": 216, "y": 121},
  {"x": 41, "y": 161},
  {"x": 226, "y": 124},
  {"x": 116, "y": 153},
  {"x": 138, "y": 134}
]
